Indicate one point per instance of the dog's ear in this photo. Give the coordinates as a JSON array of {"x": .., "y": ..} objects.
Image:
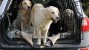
[{"x": 48, "y": 13}]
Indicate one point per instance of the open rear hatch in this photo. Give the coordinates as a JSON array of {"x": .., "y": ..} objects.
[{"x": 73, "y": 37}]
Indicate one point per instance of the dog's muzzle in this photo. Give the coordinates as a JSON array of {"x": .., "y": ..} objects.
[
  {"x": 29, "y": 7},
  {"x": 55, "y": 20}
]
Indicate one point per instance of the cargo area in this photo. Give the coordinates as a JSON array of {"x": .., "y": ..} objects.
[{"x": 70, "y": 31}]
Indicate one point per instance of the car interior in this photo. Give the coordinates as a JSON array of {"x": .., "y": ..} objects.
[{"x": 73, "y": 37}]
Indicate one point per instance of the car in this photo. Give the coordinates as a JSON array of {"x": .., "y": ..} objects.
[{"x": 76, "y": 41}]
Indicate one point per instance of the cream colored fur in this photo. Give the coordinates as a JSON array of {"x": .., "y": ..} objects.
[{"x": 41, "y": 19}]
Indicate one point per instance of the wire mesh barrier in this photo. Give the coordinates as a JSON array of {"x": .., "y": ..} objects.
[{"x": 69, "y": 25}]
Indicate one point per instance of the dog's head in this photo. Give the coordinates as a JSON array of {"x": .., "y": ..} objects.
[
  {"x": 54, "y": 13},
  {"x": 67, "y": 15},
  {"x": 25, "y": 4}
]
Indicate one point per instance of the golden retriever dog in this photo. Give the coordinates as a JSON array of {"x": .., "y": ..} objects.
[
  {"x": 41, "y": 19},
  {"x": 25, "y": 10},
  {"x": 69, "y": 20},
  {"x": 23, "y": 18},
  {"x": 67, "y": 16},
  {"x": 22, "y": 21}
]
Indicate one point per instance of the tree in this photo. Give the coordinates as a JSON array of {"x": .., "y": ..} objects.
[{"x": 86, "y": 6}]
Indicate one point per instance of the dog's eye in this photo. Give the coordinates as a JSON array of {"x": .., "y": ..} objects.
[
  {"x": 53, "y": 12},
  {"x": 24, "y": 3}
]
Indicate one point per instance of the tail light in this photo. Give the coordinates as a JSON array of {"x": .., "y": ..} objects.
[
  {"x": 83, "y": 49},
  {"x": 85, "y": 24}
]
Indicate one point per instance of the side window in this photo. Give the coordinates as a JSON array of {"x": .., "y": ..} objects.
[{"x": 0, "y": 2}]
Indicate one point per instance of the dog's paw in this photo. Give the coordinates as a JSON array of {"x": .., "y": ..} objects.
[
  {"x": 36, "y": 45},
  {"x": 48, "y": 44}
]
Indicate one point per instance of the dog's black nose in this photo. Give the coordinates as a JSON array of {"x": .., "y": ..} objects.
[
  {"x": 29, "y": 7},
  {"x": 57, "y": 17}
]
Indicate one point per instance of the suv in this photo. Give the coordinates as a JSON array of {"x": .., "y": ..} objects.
[{"x": 72, "y": 41}]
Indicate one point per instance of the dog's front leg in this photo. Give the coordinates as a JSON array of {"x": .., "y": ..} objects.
[
  {"x": 26, "y": 36},
  {"x": 38, "y": 36},
  {"x": 45, "y": 36}
]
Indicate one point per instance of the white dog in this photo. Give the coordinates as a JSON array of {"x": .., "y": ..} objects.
[{"x": 41, "y": 18}]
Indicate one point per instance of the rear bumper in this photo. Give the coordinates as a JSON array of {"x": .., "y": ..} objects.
[
  {"x": 60, "y": 46},
  {"x": 84, "y": 43}
]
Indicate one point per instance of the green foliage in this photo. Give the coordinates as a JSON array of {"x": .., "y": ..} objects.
[
  {"x": 86, "y": 7},
  {"x": 85, "y": 4},
  {"x": 41, "y": 1}
]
